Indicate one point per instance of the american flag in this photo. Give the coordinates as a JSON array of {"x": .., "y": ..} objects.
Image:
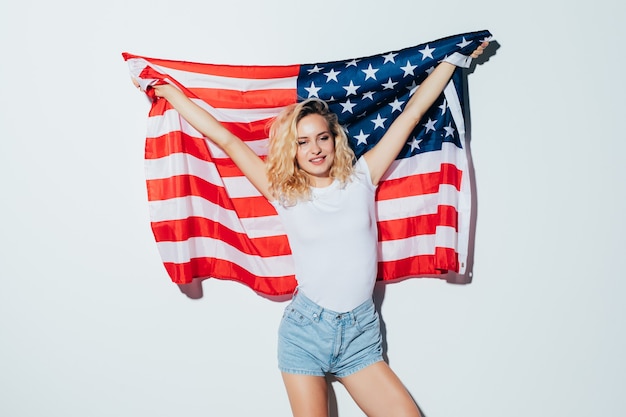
[{"x": 209, "y": 221}]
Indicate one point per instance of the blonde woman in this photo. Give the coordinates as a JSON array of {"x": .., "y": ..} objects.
[{"x": 325, "y": 199}]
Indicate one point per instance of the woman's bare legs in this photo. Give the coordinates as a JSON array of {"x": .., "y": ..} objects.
[
  {"x": 308, "y": 395},
  {"x": 376, "y": 389},
  {"x": 380, "y": 393}
]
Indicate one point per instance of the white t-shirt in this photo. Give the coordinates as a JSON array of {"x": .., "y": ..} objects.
[{"x": 333, "y": 238}]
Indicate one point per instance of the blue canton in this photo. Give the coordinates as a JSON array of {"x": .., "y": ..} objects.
[{"x": 368, "y": 93}]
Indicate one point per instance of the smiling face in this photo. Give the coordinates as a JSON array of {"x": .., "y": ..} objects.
[{"x": 316, "y": 149}]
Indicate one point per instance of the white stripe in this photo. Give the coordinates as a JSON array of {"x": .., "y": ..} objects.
[
  {"x": 186, "y": 164},
  {"x": 455, "y": 108},
  {"x": 239, "y": 187},
  {"x": 184, "y": 207},
  {"x": 199, "y": 80},
  {"x": 398, "y": 208},
  {"x": 161, "y": 124},
  {"x": 239, "y": 115},
  {"x": 427, "y": 162},
  {"x": 181, "y": 164},
  {"x": 182, "y": 252},
  {"x": 395, "y": 250},
  {"x": 192, "y": 79},
  {"x": 465, "y": 203}
]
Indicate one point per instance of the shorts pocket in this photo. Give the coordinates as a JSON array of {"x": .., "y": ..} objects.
[
  {"x": 367, "y": 320},
  {"x": 293, "y": 315}
]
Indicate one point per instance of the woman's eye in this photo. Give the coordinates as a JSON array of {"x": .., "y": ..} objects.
[
  {"x": 324, "y": 138},
  {"x": 301, "y": 142}
]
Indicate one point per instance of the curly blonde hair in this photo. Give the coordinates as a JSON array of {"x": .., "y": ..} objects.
[{"x": 288, "y": 183}]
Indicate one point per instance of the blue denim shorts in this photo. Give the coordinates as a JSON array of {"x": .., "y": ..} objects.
[{"x": 316, "y": 341}]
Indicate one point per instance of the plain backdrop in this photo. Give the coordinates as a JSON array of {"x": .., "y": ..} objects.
[{"x": 90, "y": 324}]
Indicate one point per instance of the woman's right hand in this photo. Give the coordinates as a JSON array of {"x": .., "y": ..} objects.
[
  {"x": 160, "y": 90},
  {"x": 164, "y": 90}
]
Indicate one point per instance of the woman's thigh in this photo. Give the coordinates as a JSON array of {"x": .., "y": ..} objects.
[
  {"x": 378, "y": 391},
  {"x": 308, "y": 394}
]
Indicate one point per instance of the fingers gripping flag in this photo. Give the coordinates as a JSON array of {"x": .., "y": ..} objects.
[{"x": 209, "y": 221}]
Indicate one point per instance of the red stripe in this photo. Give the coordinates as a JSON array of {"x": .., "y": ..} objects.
[
  {"x": 160, "y": 146},
  {"x": 254, "y": 99},
  {"x": 255, "y": 130},
  {"x": 419, "y": 184},
  {"x": 176, "y": 142},
  {"x": 222, "y": 269},
  {"x": 418, "y": 225},
  {"x": 190, "y": 185},
  {"x": 183, "y": 229},
  {"x": 234, "y": 71},
  {"x": 443, "y": 261},
  {"x": 159, "y": 107}
]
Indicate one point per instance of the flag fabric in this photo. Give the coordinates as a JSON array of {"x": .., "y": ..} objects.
[{"x": 209, "y": 221}]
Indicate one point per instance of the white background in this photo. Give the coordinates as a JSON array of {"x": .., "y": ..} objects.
[{"x": 90, "y": 324}]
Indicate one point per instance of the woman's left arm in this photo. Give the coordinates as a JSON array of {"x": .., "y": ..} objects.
[{"x": 380, "y": 157}]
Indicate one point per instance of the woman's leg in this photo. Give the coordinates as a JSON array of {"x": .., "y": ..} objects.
[
  {"x": 379, "y": 392},
  {"x": 308, "y": 395}
]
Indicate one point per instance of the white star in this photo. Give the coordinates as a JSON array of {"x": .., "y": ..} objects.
[
  {"x": 361, "y": 138},
  {"x": 389, "y": 85},
  {"x": 352, "y": 63},
  {"x": 464, "y": 43},
  {"x": 313, "y": 90},
  {"x": 379, "y": 122},
  {"x": 351, "y": 89},
  {"x": 430, "y": 125},
  {"x": 444, "y": 106},
  {"x": 396, "y": 105},
  {"x": 347, "y": 106},
  {"x": 427, "y": 52},
  {"x": 369, "y": 94},
  {"x": 449, "y": 130},
  {"x": 332, "y": 75},
  {"x": 415, "y": 144},
  {"x": 412, "y": 88},
  {"x": 370, "y": 72},
  {"x": 408, "y": 69},
  {"x": 390, "y": 57},
  {"x": 429, "y": 70},
  {"x": 315, "y": 69}
]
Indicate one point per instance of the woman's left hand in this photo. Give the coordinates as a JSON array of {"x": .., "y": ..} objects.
[{"x": 478, "y": 51}]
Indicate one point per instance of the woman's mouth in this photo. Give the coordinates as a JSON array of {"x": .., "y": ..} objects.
[{"x": 318, "y": 160}]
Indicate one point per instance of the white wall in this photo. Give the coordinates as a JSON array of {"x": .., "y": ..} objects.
[{"x": 90, "y": 324}]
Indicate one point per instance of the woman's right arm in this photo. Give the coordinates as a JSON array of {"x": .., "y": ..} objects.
[{"x": 242, "y": 155}]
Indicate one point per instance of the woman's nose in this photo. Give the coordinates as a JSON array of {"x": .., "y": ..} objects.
[{"x": 315, "y": 148}]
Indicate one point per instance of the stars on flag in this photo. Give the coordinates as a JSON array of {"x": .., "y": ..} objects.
[
  {"x": 390, "y": 57},
  {"x": 408, "y": 69},
  {"x": 427, "y": 52},
  {"x": 370, "y": 72},
  {"x": 367, "y": 94},
  {"x": 332, "y": 75},
  {"x": 351, "y": 89}
]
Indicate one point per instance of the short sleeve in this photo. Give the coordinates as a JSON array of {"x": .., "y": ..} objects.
[{"x": 362, "y": 173}]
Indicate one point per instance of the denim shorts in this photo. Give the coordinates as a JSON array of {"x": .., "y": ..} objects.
[{"x": 316, "y": 341}]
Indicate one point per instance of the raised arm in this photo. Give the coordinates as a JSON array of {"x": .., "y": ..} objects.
[
  {"x": 380, "y": 157},
  {"x": 242, "y": 155}
]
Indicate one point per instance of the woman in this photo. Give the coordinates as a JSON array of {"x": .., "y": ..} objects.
[{"x": 326, "y": 203}]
